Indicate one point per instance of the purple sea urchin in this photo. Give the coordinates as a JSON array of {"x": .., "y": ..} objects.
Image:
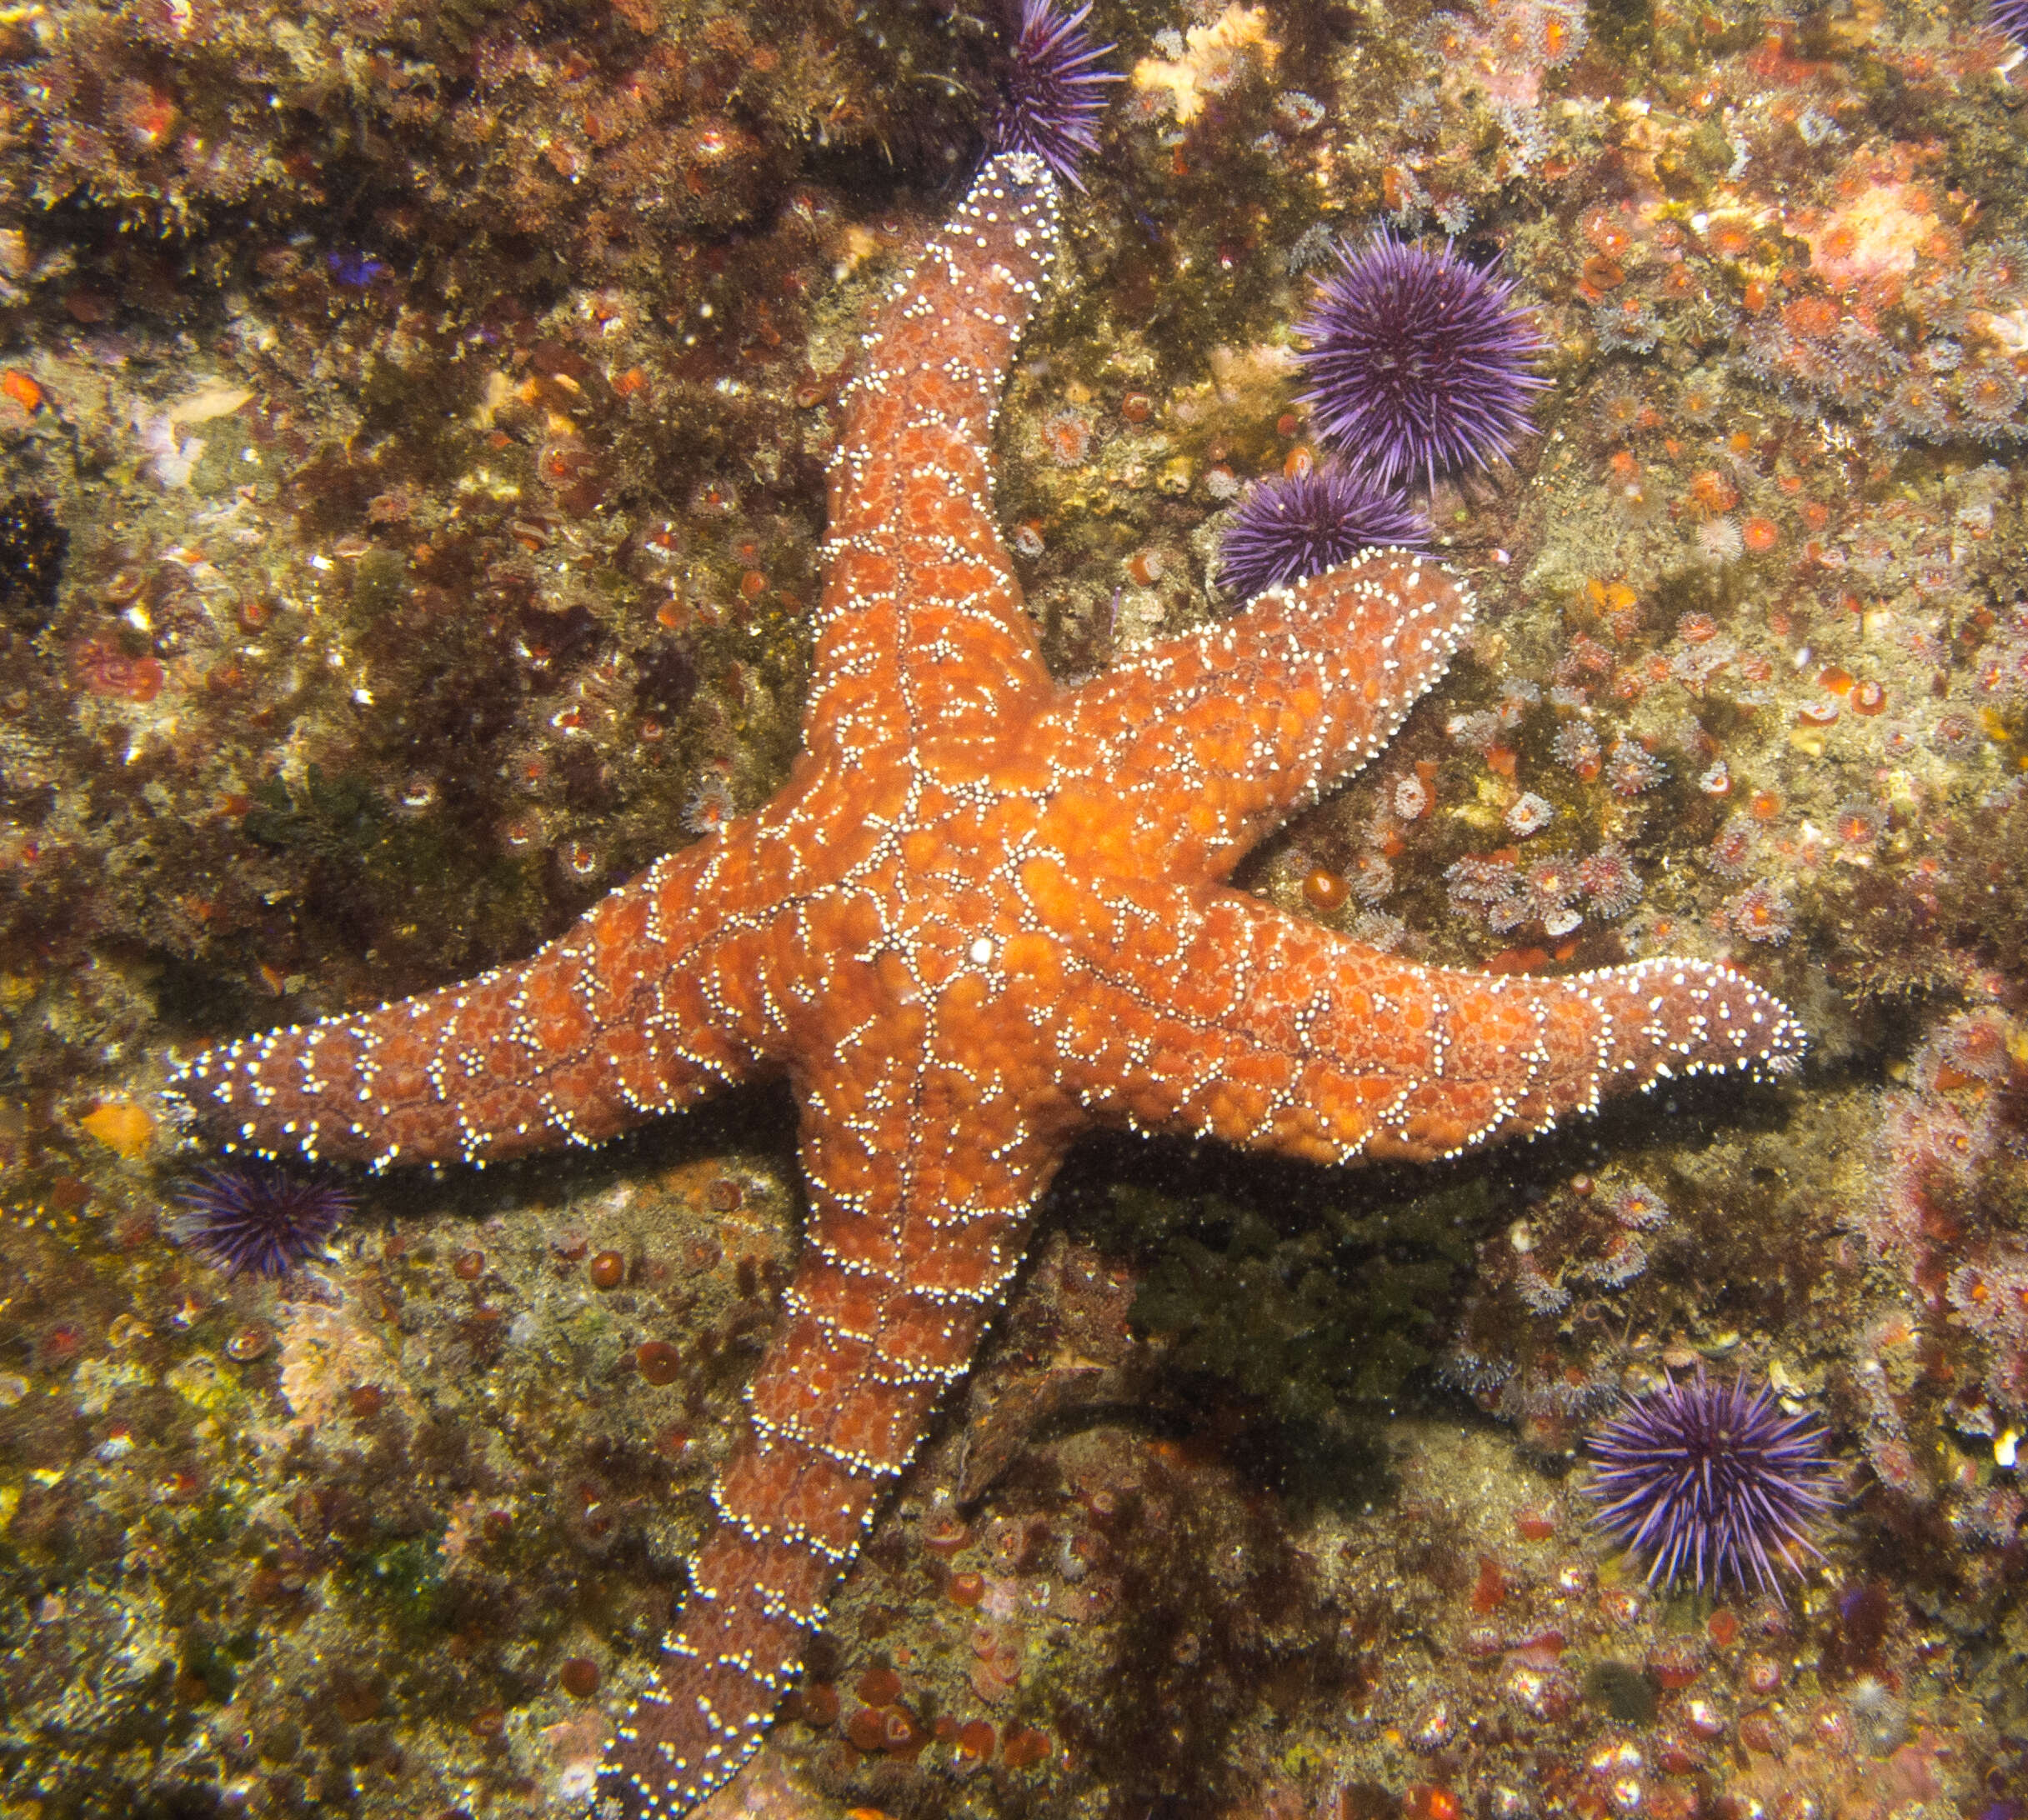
[
  {"x": 250, "y": 1217},
  {"x": 1712, "y": 1482},
  {"x": 2011, "y": 18},
  {"x": 1420, "y": 364},
  {"x": 1051, "y": 94},
  {"x": 1287, "y": 529}
]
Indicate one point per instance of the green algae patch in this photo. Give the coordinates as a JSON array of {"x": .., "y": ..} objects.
[{"x": 405, "y": 1581}]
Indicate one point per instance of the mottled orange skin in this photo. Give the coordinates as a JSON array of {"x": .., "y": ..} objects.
[{"x": 984, "y": 914}]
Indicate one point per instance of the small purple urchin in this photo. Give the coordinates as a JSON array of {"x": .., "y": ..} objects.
[
  {"x": 254, "y": 1217},
  {"x": 1286, "y": 530},
  {"x": 1711, "y": 1481},
  {"x": 2011, "y": 17},
  {"x": 1420, "y": 364},
  {"x": 1051, "y": 94}
]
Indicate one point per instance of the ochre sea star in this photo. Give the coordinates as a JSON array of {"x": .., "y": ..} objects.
[{"x": 984, "y": 914}]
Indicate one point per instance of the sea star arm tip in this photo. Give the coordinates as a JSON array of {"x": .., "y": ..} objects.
[
  {"x": 892, "y": 1290},
  {"x": 1276, "y": 1035},
  {"x": 921, "y": 587},
  {"x": 618, "y": 1021}
]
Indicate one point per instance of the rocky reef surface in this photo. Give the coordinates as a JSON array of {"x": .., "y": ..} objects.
[{"x": 413, "y": 426}]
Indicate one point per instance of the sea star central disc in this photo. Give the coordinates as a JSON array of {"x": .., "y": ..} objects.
[{"x": 984, "y": 914}]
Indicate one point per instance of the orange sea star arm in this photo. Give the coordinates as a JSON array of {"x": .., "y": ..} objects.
[
  {"x": 922, "y": 638},
  {"x": 902, "y": 1265},
  {"x": 1214, "y": 1015},
  {"x": 1185, "y": 753},
  {"x": 656, "y": 997}
]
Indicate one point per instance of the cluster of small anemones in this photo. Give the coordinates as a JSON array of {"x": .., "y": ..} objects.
[
  {"x": 1949, "y": 377},
  {"x": 1744, "y": 503},
  {"x": 1589, "y": 1239},
  {"x": 1935, "y": 1134},
  {"x": 1402, "y": 800},
  {"x": 884, "y": 1719},
  {"x": 1938, "y": 1136},
  {"x": 1497, "y": 54},
  {"x": 1934, "y": 393},
  {"x": 1545, "y": 892}
]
